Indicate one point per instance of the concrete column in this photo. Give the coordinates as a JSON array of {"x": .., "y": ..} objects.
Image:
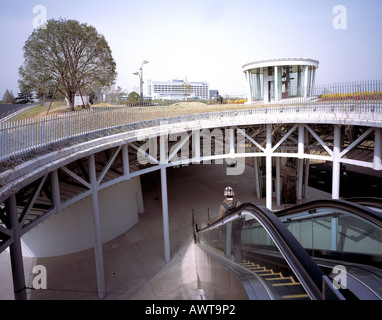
[
  {"x": 16, "y": 251},
  {"x": 126, "y": 163},
  {"x": 377, "y": 161},
  {"x": 336, "y": 172},
  {"x": 166, "y": 228},
  {"x": 268, "y": 167},
  {"x": 97, "y": 229}
]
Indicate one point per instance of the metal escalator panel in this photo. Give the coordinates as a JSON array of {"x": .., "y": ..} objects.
[{"x": 255, "y": 239}]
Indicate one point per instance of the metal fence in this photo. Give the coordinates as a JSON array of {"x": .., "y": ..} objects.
[{"x": 23, "y": 139}]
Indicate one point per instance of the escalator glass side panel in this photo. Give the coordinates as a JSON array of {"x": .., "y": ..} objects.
[
  {"x": 335, "y": 237},
  {"x": 248, "y": 244},
  {"x": 337, "y": 231}
]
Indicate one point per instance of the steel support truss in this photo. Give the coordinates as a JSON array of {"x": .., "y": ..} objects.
[{"x": 56, "y": 189}]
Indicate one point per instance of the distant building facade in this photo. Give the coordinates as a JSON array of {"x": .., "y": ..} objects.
[
  {"x": 214, "y": 94},
  {"x": 278, "y": 79},
  {"x": 177, "y": 90}
]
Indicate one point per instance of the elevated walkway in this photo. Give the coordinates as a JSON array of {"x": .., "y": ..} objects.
[{"x": 134, "y": 262}]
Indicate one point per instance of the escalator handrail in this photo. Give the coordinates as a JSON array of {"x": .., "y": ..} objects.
[
  {"x": 354, "y": 208},
  {"x": 306, "y": 270},
  {"x": 367, "y": 201}
]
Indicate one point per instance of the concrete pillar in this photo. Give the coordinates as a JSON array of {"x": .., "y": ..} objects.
[
  {"x": 268, "y": 167},
  {"x": 166, "y": 228},
  {"x": 336, "y": 172},
  {"x": 126, "y": 163},
  {"x": 16, "y": 251},
  {"x": 377, "y": 160},
  {"x": 97, "y": 229}
]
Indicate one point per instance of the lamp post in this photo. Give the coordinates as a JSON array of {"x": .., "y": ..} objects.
[{"x": 141, "y": 78}]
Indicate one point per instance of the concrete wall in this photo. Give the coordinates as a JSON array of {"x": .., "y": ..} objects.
[{"x": 72, "y": 229}]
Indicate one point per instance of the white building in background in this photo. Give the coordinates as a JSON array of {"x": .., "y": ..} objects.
[
  {"x": 278, "y": 79},
  {"x": 177, "y": 90},
  {"x": 78, "y": 100}
]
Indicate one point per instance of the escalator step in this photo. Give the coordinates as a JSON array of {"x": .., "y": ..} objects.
[{"x": 286, "y": 284}]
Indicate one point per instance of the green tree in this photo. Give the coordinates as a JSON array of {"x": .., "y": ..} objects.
[
  {"x": 23, "y": 98},
  {"x": 8, "y": 97},
  {"x": 186, "y": 88},
  {"x": 133, "y": 98},
  {"x": 66, "y": 56}
]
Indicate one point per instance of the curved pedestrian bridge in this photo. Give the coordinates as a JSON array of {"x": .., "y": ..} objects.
[{"x": 67, "y": 170}]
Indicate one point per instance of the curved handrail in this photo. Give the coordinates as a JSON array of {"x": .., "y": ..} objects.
[
  {"x": 306, "y": 270},
  {"x": 367, "y": 201},
  {"x": 354, "y": 208}
]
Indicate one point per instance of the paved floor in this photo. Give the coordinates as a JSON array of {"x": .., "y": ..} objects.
[{"x": 134, "y": 261}]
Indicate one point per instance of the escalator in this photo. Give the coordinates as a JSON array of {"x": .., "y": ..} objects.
[
  {"x": 327, "y": 249},
  {"x": 346, "y": 234}
]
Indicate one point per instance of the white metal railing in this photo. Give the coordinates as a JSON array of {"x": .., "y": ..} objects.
[{"x": 28, "y": 137}]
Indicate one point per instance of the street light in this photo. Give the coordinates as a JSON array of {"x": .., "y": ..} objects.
[{"x": 141, "y": 78}]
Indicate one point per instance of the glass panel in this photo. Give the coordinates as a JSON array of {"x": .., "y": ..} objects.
[
  {"x": 291, "y": 81},
  {"x": 256, "y": 83},
  {"x": 358, "y": 236},
  {"x": 337, "y": 231}
]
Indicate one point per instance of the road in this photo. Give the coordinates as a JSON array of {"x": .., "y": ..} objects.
[{"x": 7, "y": 109}]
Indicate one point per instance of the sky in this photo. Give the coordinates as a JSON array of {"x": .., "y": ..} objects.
[{"x": 209, "y": 40}]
